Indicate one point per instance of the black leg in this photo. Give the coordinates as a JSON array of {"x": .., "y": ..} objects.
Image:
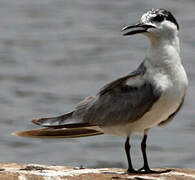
[
  {"x": 146, "y": 167},
  {"x": 127, "y": 150},
  {"x": 143, "y": 146}
]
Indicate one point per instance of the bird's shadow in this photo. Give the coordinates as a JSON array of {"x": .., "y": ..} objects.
[{"x": 138, "y": 172}]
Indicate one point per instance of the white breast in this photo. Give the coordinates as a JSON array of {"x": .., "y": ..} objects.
[
  {"x": 173, "y": 82},
  {"x": 173, "y": 87}
]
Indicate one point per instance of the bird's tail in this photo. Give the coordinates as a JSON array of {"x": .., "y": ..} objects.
[
  {"x": 58, "y": 133},
  {"x": 63, "y": 126}
]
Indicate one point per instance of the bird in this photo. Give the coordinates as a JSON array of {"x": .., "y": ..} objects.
[{"x": 147, "y": 97}]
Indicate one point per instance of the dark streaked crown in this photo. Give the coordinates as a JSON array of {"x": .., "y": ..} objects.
[{"x": 167, "y": 15}]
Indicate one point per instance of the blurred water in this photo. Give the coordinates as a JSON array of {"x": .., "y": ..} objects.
[{"x": 54, "y": 53}]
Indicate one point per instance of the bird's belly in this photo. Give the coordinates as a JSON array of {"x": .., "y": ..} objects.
[{"x": 160, "y": 111}]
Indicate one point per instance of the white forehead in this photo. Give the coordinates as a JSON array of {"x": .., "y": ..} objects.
[{"x": 146, "y": 17}]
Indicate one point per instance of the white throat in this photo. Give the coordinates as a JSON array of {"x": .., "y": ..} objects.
[
  {"x": 164, "y": 51},
  {"x": 164, "y": 63}
]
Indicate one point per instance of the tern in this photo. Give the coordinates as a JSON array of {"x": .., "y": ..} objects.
[{"x": 149, "y": 96}]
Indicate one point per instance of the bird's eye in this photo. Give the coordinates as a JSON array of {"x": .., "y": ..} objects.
[{"x": 158, "y": 18}]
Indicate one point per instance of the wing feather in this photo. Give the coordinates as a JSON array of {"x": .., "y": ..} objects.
[
  {"x": 118, "y": 102},
  {"x": 121, "y": 101}
]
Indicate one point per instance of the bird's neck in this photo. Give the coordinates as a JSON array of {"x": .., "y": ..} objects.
[{"x": 164, "y": 52}]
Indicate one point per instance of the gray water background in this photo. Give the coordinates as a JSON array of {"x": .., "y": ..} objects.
[{"x": 53, "y": 53}]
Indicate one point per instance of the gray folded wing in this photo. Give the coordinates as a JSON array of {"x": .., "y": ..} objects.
[{"x": 124, "y": 100}]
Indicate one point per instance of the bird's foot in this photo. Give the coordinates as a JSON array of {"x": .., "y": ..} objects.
[
  {"x": 147, "y": 170},
  {"x": 131, "y": 171}
]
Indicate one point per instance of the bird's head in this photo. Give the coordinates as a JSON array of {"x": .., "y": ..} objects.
[{"x": 156, "y": 23}]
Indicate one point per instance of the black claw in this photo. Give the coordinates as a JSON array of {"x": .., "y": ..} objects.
[
  {"x": 145, "y": 170},
  {"x": 131, "y": 171},
  {"x": 140, "y": 169}
]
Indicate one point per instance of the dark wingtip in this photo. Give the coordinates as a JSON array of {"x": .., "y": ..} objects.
[{"x": 38, "y": 121}]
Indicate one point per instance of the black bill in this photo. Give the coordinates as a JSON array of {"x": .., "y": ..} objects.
[{"x": 137, "y": 28}]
